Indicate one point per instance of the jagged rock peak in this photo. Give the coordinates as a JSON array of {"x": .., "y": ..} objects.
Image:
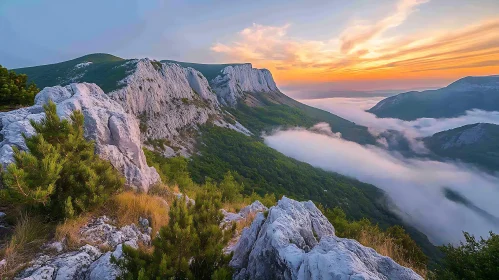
[
  {"x": 116, "y": 133},
  {"x": 294, "y": 240},
  {"x": 235, "y": 80}
]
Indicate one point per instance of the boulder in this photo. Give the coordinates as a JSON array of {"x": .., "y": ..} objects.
[
  {"x": 72, "y": 265},
  {"x": 296, "y": 241}
]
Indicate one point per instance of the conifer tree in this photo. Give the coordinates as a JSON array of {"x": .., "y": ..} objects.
[
  {"x": 208, "y": 256},
  {"x": 15, "y": 90},
  {"x": 189, "y": 247},
  {"x": 230, "y": 188},
  {"x": 61, "y": 174}
]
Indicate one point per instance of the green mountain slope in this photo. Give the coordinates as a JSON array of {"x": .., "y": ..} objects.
[
  {"x": 474, "y": 143},
  {"x": 105, "y": 70},
  {"x": 271, "y": 110},
  {"x": 451, "y": 101}
]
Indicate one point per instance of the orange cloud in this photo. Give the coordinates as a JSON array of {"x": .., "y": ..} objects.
[
  {"x": 362, "y": 33},
  {"x": 362, "y": 52}
]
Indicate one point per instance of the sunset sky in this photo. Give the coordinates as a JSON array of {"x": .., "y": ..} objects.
[{"x": 363, "y": 45}]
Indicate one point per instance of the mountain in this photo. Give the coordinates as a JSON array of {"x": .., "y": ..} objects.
[
  {"x": 474, "y": 143},
  {"x": 100, "y": 68},
  {"x": 216, "y": 121},
  {"x": 454, "y": 100}
]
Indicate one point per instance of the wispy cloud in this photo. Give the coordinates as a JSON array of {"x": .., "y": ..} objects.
[
  {"x": 365, "y": 51},
  {"x": 357, "y": 35}
]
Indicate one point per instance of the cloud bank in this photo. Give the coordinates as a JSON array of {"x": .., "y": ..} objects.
[
  {"x": 353, "y": 109},
  {"x": 417, "y": 187}
]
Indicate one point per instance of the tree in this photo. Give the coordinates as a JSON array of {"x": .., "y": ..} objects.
[
  {"x": 189, "y": 247},
  {"x": 230, "y": 188},
  {"x": 60, "y": 174},
  {"x": 473, "y": 259},
  {"x": 15, "y": 90},
  {"x": 208, "y": 257}
]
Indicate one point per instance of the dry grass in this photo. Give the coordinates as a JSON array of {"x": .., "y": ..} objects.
[
  {"x": 69, "y": 231},
  {"x": 234, "y": 207},
  {"x": 385, "y": 245},
  {"x": 128, "y": 206},
  {"x": 125, "y": 208},
  {"x": 28, "y": 235},
  {"x": 240, "y": 225}
]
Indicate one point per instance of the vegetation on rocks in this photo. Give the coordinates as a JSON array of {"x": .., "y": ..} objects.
[{"x": 60, "y": 175}]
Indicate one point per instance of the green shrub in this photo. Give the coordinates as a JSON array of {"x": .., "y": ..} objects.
[
  {"x": 230, "y": 188},
  {"x": 15, "y": 90},
  {"x": 173, "y": 171},
  {"x": 473, "y": 259},
  {"x": 60, "y": 175},
  {"x": 189, "y": 247}
]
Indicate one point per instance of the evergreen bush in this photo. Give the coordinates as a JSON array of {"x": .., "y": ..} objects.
[{"x": 60, "y": 175}]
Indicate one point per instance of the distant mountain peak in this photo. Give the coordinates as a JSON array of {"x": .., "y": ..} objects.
[{"x": 472, "y": 92}]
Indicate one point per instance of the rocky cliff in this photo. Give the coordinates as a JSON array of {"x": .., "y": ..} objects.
[
  {"x": 234, "y": 81},
  {"x": 295, "y": 241},
  {"x": 115, "y": 132}
]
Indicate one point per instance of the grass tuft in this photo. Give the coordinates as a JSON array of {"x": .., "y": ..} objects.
[{"x": 30, "y": 232}]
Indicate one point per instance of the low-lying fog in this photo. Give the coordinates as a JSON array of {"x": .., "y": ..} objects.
[{"x": 415, "y": 185}]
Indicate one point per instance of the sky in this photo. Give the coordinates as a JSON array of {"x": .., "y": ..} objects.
[{"x": 322, "y": 45}]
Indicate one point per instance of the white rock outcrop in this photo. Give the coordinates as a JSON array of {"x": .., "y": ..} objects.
[
  {"x": 235, "y": 80},
  {"x": 294, "y": 240},
  {"x": 88, "y": 262},
  {"x": 115, "y": 132}
]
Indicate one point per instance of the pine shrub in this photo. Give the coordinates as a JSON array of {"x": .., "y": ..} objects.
[
  {"x": 60, "y": 175},
  {"x": 189, "y": 247}
]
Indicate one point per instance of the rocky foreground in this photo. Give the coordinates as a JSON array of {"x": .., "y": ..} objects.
[{"x": 292, "y": 240}]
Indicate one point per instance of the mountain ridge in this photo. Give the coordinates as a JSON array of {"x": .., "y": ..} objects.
[{"x": 472, "y": 92}]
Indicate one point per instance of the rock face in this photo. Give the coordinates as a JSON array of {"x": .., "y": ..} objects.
[
  {"x": 295, "y": 241},
  {"x": 115, "y": 132},
  {"x": 235, "y": 80},
  {"x": 88, "y": 263},
  {"x": 167, "y": 99}
]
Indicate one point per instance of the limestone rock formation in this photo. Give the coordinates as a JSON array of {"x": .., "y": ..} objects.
[
  {"x": 235, "y": 80},
  {"x": 116, "y": 133},
  {"x": 296, "y": 241},
  {"x": 167, "y": 99}
]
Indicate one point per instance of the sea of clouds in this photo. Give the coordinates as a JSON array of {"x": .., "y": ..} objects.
[{"x": 416, "y": 185}]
